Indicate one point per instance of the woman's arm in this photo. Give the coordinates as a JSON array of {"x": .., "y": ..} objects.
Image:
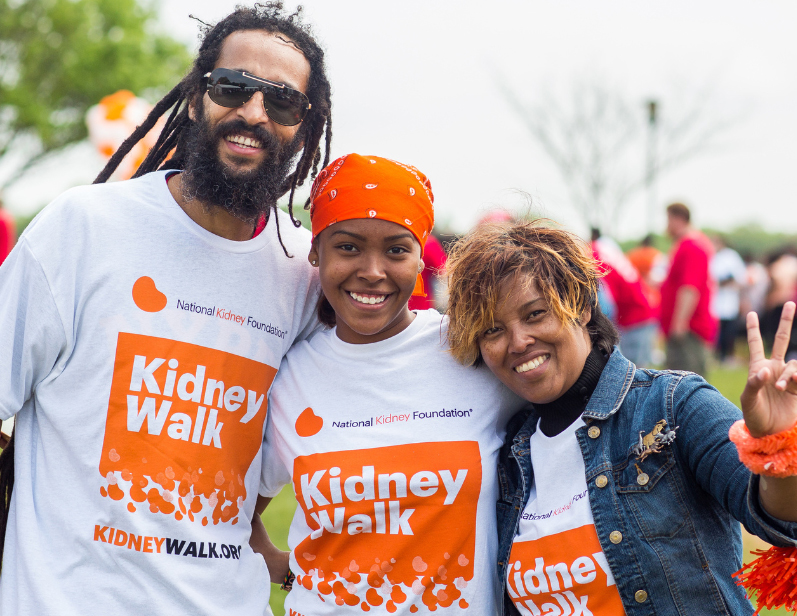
[
  {"x": 276, "y": 559},
  {"x": 769, "y": 404}
]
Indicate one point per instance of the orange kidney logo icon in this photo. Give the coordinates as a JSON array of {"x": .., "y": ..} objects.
[
  {"x": 308, "y": 423},
  {"x": 146, "y": 295}
]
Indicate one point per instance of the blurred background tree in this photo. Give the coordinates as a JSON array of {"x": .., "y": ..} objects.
[
  {"x": 59, "y": 57},
  {"x": 609, "y": 146}
]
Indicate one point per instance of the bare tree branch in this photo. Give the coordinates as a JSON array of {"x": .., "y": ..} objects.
[{"x": 596, "y": 138}]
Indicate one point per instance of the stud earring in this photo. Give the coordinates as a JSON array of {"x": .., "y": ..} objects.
[{"x": 313, "y": 262}]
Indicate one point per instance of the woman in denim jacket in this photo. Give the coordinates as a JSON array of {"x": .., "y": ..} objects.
[{"x": 620, "y": 490}]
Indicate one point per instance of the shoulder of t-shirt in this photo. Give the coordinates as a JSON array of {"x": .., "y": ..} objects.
[
  {"x": 434, "y": 323},
  {"x": 296, "y": 239},
  {"x": 74, "y": 209},
  {"x": 693, "y": 246}
]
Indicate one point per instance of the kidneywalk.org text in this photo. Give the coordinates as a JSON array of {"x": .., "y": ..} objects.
[{"x": 164, "y": 545}]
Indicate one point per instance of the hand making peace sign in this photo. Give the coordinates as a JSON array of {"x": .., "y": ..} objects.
[{"x": 769, "y": 400}]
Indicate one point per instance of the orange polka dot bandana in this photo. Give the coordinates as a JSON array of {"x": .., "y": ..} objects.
[{"x": 356, "y": 186}]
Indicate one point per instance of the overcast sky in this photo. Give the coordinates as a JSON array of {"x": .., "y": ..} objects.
[{"x": 415, "y": 81}]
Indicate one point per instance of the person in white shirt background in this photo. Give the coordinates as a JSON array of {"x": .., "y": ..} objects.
[{"x": 729, "y": 271}]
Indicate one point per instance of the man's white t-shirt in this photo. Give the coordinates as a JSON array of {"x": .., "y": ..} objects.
[
  {"x": 727, "y": 265},
  {"x": 557, "y": 565},
  {"x": 392, "y": 450},
  {"x": 138, "y": 350}
]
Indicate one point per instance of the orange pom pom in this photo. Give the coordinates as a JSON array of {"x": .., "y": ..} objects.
[
  {"x": 774, "y": 455},
  {"x": 772, "y": 577}
]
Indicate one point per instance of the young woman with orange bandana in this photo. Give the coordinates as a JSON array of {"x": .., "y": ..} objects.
[{"x": 391, "y": 445}]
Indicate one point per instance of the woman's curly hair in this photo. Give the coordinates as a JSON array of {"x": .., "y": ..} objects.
[{"x": 557, "y": 261}]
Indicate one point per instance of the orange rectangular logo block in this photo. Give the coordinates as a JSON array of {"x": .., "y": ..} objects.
[
  {"x": 565, "y": 573},
  {"x": 184, "y": 424},
  {"x": 404, "y": 516}
]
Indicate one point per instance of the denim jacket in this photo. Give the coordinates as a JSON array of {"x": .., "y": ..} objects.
[{"x": 680, "y": 538}]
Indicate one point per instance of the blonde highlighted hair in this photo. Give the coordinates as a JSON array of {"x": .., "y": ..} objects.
[{"x": 557, "y": 261}]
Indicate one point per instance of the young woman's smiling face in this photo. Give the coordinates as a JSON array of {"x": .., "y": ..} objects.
[
  {"x": 529, "y": 349},
  {"x": 368, "y": 269}
]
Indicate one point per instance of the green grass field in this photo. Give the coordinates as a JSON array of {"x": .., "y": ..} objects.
[{"x": 277, "y": 517}]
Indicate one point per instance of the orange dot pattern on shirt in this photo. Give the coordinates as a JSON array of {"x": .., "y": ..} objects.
[{"x": 344, "y": 591}]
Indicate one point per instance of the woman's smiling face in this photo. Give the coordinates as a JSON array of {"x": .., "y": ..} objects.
[
  {"x": 529, "y": 349},
  {"x": 368, "y": 269}
]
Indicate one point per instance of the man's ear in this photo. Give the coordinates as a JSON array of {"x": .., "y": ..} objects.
[{"x": 193, "y": 103}]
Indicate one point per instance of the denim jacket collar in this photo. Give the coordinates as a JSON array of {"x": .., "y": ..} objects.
[{"x": 612, "y": 387}]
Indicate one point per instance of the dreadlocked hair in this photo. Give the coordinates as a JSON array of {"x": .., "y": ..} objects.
[
  {"x": 558, "y": 262},
  {"x": 271, "y": 17}
]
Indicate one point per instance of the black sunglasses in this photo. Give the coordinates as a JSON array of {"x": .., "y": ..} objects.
[{"x": 231, "y": 89}]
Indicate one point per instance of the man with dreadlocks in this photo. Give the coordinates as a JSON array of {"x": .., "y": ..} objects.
[{"x": 143, "y": 323}]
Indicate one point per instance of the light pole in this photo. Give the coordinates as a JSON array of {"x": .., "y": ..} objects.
[{"x": 650, "y": 172}]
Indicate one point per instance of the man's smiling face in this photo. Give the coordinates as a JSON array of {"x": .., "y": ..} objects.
[
  {"x": 267, "y": 55},
  {"x": 238, "y": 158}
]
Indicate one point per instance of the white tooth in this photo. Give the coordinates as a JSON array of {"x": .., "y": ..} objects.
[{"x": 372, "y": 300}]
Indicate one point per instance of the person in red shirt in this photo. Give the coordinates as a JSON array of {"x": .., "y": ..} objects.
[
  {"x": 7, "y": 233},
  {"x": 434, "y": 260},
  {"x": 635, "y": 318},
  {"x": 686, "y": 318}
]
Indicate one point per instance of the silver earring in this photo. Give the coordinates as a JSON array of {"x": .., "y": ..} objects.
[{"x": 313, "y": 262}]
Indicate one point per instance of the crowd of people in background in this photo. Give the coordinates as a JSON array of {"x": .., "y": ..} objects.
[{"x": 695, "y": 298}]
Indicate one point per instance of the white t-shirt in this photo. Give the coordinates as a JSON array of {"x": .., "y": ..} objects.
[
  {"x": 138, "y": 350},
  {"x": 728, "y": 265},
  {"x": 392, "y": 449},
  {"x": 557, "y": 565}
]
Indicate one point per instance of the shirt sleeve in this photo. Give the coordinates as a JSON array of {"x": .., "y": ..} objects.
[
  {"x": 704, "y": 417},
  {"x": 273, "y": 474},
  {"x": 33, "y": 332},
  {"x": 309, "y": 323}
]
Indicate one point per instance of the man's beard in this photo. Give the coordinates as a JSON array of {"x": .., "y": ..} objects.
[{"x": 244, "y": 194}]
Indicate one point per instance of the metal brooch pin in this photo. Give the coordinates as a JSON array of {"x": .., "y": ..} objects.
[{"x": 652, "y": 442}]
